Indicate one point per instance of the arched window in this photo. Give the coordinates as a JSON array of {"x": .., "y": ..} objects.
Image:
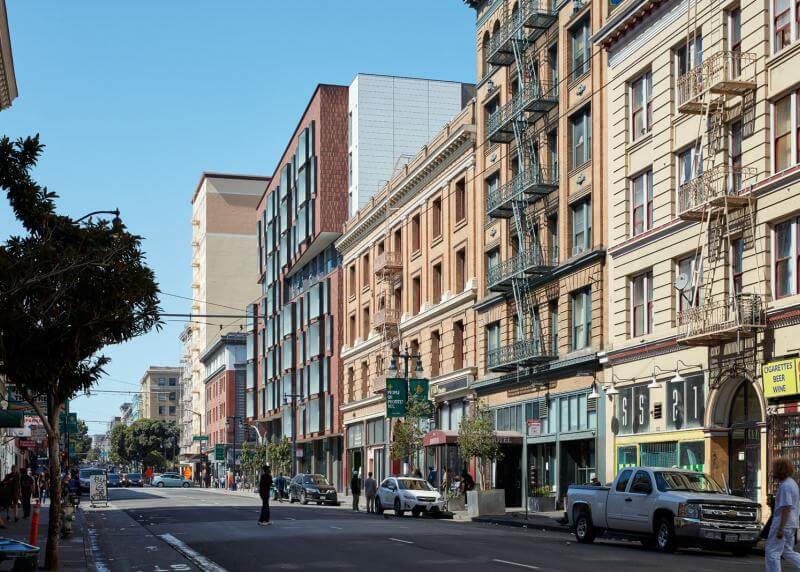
[
  {"x": 745, "y": 406},
  {"x": 485, "y": 54}
]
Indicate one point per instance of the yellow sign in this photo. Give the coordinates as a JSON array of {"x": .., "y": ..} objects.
[{"x": 780, "y": 378}]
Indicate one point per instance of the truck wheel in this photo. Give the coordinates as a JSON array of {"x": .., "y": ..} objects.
[
  {"x": 584, "y": 529},
  {"x": 665, "y": 535}
]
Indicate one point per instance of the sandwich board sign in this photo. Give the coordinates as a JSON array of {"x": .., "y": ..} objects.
[{"x": 98, "y": 489}]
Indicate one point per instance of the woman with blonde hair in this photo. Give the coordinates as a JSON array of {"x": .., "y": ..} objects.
[{"x": 780, "y": 542}]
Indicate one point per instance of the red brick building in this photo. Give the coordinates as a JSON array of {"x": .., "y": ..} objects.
[{"x": 295, "y": 328}]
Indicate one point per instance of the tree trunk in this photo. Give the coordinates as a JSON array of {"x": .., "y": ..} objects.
[{"x": 54, "y": 519}]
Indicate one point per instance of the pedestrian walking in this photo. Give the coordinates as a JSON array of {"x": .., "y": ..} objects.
[
  {"x": 264, "y": 486},
  {"x": 12, "y": 482},
  {"x": 445, "y": 481},
  {"x": 780, "y": 541},
  {"x": 370, "y": 490},
  {"x": 26, "y": 490},
  {"x": 355, "y": 489}
]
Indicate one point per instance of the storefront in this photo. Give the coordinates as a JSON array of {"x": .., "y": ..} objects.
[
  {"x": 782, "y": 392},
  {"x": 367, "y": 450},
  {"x": 441, "y": 446}
]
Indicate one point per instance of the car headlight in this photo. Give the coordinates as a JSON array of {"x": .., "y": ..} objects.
[{"x": 689, "y": 510}]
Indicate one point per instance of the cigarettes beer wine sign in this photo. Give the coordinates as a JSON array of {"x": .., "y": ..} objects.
[{"x": 398, "y": 392}]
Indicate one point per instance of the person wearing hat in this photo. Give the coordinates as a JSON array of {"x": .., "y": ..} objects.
[
  {"x": 264, "y": 486},
  {"x": 355, "y": 489}
]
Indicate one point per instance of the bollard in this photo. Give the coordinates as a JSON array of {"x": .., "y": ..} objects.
[{"x": 34, "y": 537}]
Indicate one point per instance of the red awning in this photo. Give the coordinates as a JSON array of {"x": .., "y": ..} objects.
[{"x": 439, "y": 437}]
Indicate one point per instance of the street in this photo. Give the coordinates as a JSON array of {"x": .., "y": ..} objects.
[{"x": 196, "y": 529}]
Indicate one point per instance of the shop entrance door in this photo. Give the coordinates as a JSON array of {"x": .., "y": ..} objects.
[
  {"x": 356, "y": 462},
  {"x": 379, "y": 465},
  {"x": 508, "y": 475},
  {"x": 744, "y": 443}
]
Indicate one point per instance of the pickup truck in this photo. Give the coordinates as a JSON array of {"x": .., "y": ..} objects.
[{"x": 664, "y": 508}]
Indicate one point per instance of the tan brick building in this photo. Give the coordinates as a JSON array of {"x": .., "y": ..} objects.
[
  {"x": 410, "y": 260},
  {"x": 703, "y": 235},
  {"x": 540, "y": 170},
  {"x": 159, "y": 390}
]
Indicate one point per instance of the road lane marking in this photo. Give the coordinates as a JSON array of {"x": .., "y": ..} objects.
[
  {"x": 401, "y": 540},
  {"x": 521, "y": 565},
  {"x": 337, "y": 527},
  {"x": 201, "y": 561},
  {"x": 289, "y": 518}
]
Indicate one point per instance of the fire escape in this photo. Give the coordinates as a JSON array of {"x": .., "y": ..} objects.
[
  {"x": 388, "y": 269},
  {"x": 717, "y": 196},
  {"x": 522, "y": 121}
]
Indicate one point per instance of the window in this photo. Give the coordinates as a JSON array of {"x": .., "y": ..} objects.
[
  {"x": 690, "y": 164},
  {"x": 581, "y": 226},
  {"x": 580, "y": 49},
  {"x": 642, "y": 305},
  {"x": 162, "y": 396},
  {"x": 461, "y": 200},
  {"x": 352, "y": 328},
  {"x": 458, "y": 345},
  {"x": 684, "y": 63},
  {"x": 786, "y": 146},
  {"x": 365, "y": 271},
  {"x": 552, "y": 310},
  {"x": 352, "y": 280},
  {"x": 350, "y": 169},
  {"x": 552, "y": 236},
  {"x": 398, "y": 240},
  {"x": 785, "y": 262},
  {"x": 436, "y": 218},
  {"x": 492, "y": 258},
  {"x": 581, "y": 318},
  {"x": 735, "y": 40},
  {"x": 622, "y": 481},
  {"x": 435, "y": 349},
  {"x": 365, "y": 322},
  {"x": 735, "y": 155},
  {"x": 162, "y": 381},
  {"x": 641, "y": 98},
  {"x": 485, "y": 54},
  {"x": 785, "y": 25},
  {"x": 492, "y": 183},
  {"x": 161, "y": 410},
  {"x": 461, "y": 270},
  {"x": 552, "y": 64},
  {"x": 173, "y": 396},
  {"x": 491, "y": 107},
  {"x": 688, "y": 298},
  {"x": 415, "y": 245},
  {"x": 642, "y": 200},
  {"x": 580, "y": 125},
  {"x": 492, "y": 338},
  {"x": 172, "y": 410},
  {"x": 737, "y": 265},
  {"x": 437, "y": 283},
  {"x": 416, "y": 293}
]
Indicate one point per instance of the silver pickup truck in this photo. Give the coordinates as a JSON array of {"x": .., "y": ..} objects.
[{"x": 665, "y": 508}]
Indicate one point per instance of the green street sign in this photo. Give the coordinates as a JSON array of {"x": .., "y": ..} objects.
[
  {"x": 418, "y": 389},
  {"x": 219, "y": 452},
  {"x": 396, "y": 397},
  {"x": 200, "y": 438},
  {"x": 71, "y": 420}
]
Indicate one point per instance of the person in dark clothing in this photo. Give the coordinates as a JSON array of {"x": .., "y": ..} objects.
[
  {"x": 417, "y": 473},
  {"x": 431, "y": 477},
  {"x": 26, "y": 490},
  {"x": 264, "y": 486},
  {"x": 355, "y": 489}
]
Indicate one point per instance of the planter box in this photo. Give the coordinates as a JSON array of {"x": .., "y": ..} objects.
[
  {"x": 486, "y": 503},
  {"x": 542, "y": 504},
  {"x": 457, "y": 504}
]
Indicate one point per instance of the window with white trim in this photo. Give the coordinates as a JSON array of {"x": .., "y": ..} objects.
[
  {"x": 785, "y": 15},
  {"x": 737, "y": 265},
  {"x": 785, "y": 258},
  {"x": 581, "y": 226},
  {"x": 786, "y": 128},
  {"x": 581, "y": 318},
  {"x": 641, "y": 105},
  {"x": 642, "y": 203},
  {"x": 642, "y": 304},
  {"x": 691, "y": 296}
]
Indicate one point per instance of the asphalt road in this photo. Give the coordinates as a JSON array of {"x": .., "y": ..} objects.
[{"x": 195, "y": 529}]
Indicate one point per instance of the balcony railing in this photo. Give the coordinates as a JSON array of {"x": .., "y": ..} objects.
[
  {"x": 533, "y": 261},
  {"x": 535, "y": 99},
  {"x": 725, "y": 73},
  {"x": 386, "y": 317},
  {"x": 714, "y": 187},
  {"x": 525, "y": 186},
  {"x": 499, "y": 125},
  {"x": 520, "y": 353},
  {"x": 528, "y": 23},
  {"x": 721, "y": 319},
  {"x": 388, "y": 262}
]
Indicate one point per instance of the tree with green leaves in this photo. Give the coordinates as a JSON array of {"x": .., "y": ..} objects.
[
  {"x": 252, "y": 458},
  {"x": 83, "y": 443},
  {"x": 155, "y": 460},
  {"x": 69, "y": 288},
  {"x": 407, "y": 434},
  {"x": 146, "y": 435},
  {"x": 118, "y": 445},
  {"x": 93, "y": 455},
  {"x": 476, "y": 439},
  {"x": 279, "y": 453}
]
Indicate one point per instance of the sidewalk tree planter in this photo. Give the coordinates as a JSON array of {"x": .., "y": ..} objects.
[
  {"x": 476, "y": 440},
  {"x": 70, "y": 288},
  {"x": 407, "y": 435},
  {"x": 490, "y": 502}
]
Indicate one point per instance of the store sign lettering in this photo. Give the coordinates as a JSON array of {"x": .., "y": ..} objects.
[{"x": 780, "y": 378}]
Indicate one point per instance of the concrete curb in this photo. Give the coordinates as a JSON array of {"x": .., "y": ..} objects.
[{"x": 555, "y": 527}]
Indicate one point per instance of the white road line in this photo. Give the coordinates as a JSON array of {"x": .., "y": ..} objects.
[
  {"x": 529, "y": 566},
  {"x": 289, "y": 518},
  {"x": 198, "y": 559},
  {"x": 336, "y": 527},
  {"x": 401, "y": 540}
]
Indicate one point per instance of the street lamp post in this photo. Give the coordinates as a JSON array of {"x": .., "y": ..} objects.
[
  {"x": 236, "y": 420},
  {"x": 293, "y": 460},
  {"x": 406, "y": 356}
]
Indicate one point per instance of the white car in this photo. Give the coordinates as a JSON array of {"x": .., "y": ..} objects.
[
  {"x": 171, "y": 480},
  {"x": 407, "y": 493}
]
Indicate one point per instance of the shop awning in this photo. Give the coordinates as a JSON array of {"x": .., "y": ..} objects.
[{"x": 448, "y": 437}]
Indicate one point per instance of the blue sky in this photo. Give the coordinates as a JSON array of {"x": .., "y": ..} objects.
[{"x": 135, "y": 99}]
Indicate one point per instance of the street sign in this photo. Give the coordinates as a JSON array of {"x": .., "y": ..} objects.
[
  {"x": 72, "y": 422},
  {"x": 534, "y": 427},
  {"x": 396, "y": 397},
  {"x": 219, "y": 452},
  {"x": 418, "y": 389},
  {"x": 200, "y": 438}
]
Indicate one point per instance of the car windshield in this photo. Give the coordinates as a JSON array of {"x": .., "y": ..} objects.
[
  {"x": 315, "y": 480},
  {"x": 134, "y": 476},
  {"x": 86, "y": 473},
  {"x": 414, "y": 485},
  {"x": 693, "y": 482}
]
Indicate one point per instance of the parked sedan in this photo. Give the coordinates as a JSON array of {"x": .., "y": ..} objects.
[
  {"x": 132, "y": 480},
  {"x": 171, "y": 480},
  {"x": 407, "y": 493},
  {"x": 312, "y": 488}
]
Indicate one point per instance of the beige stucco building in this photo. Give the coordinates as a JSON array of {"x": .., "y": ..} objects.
[
  {"x": 224, "y": 272},
  {"x": 159, "y": 390},
  {"x": 410, "y": 259},
  {"x": 540, "y": 170},
  {"x": 703, "y": 185}
]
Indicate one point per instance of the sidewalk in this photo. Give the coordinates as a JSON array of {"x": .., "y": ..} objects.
[{"x": 72, "y": 550}]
